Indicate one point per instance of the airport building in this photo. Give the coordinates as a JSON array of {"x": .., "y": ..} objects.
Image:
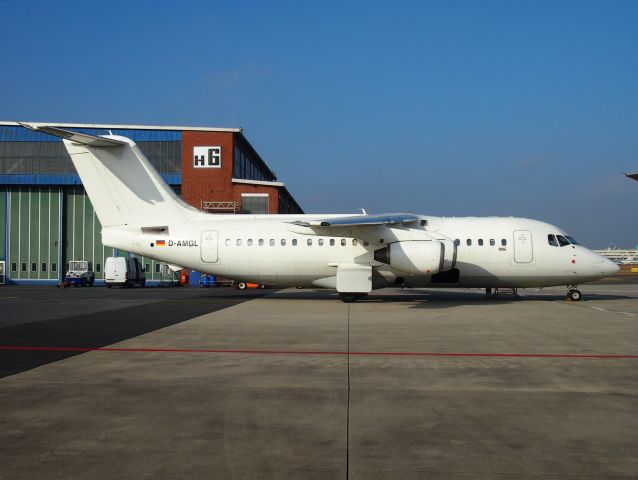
[{"x": 47, "y": 220}]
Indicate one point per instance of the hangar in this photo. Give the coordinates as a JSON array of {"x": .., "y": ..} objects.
[{"x": 46, "y": 218}]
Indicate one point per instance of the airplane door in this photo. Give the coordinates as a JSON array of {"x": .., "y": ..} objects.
[
  {"x": 523, "y": 249},
  {"x": 208, "y": 246}
]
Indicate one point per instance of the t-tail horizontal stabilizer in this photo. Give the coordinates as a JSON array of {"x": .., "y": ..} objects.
[{"x": 75, "y": 137}]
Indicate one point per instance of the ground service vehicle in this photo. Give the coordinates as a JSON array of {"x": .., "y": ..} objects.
[
  {"x": 78, "y": 274},
  {"x": 123, "y": 271}
]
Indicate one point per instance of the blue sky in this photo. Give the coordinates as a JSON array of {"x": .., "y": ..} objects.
[{"x": 443, "y": 108}]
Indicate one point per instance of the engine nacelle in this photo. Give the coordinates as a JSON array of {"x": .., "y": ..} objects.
[{"x": 419, "y": 257}]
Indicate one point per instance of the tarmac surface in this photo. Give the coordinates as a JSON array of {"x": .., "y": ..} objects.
[{"x": 217, "y": 383}]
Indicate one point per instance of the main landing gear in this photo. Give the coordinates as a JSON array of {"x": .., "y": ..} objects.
[
  {"x": 351, "y": 297},
  {"x": 573, "y": 294}
]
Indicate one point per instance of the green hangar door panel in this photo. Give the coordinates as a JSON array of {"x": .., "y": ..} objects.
[
  {"x": 209, "y": 246},
  {"x": 523, "y": 249}
]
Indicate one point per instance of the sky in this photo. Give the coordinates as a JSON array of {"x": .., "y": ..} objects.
[{"x": 441, "y": 108}]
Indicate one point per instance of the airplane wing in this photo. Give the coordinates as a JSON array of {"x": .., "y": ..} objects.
[
  {"x": 361, "y": 220},
  {"x": 75, "y": 137}
]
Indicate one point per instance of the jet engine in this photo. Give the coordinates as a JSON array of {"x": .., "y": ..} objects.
[{"x": 419, "y": 257}]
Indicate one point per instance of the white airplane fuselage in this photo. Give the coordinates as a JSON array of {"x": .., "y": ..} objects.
[
  {"x": 353, "y": 254},
  {"x": 503, "y": 252}
]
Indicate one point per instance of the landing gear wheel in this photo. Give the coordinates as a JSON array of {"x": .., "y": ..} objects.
[
  {"x": 241, "y": 285},
  {"x": 574, "y": 295},
  {"x": 348, "y": 297}
]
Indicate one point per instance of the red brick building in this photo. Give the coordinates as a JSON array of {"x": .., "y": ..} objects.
[{"x": 222, "y": 172}]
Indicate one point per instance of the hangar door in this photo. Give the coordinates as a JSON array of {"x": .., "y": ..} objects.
[
  {"x": 208, "y": 246},
  {"x": 523, "y": 250}
]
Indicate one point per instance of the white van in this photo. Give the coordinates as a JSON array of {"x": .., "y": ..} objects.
[{"x": 124, "y": 271}]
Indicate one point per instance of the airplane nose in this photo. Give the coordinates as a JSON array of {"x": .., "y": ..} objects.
[{"x": 609, "y": 267}]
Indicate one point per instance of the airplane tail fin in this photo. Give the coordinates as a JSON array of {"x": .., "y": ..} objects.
[{"x": 123, "y": 186}]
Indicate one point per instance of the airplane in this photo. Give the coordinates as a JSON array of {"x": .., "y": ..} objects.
[{"x": 352, "y": 254}]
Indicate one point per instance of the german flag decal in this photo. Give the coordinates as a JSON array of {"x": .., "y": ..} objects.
[{"x": 161, "y": 243}]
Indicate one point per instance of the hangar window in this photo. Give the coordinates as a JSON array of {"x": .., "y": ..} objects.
[
  {"x": 249, "y": 242},
  {"x": 14, "y": 267},
  {"x": 228, "y": 242},
  {"x": 34, "y": 267},
  {"x": 332, "y": 242},
  {"x": 309, "y": 242},
  {"x": 54, "y": 267},
  {"x": 503, "y": 242},
  {"x": 469, "y": 242},
  {"x": 272, "y": 242},
  {"x": 283, "y": 242},
  {"x": 562, "y": 241},
  {"x": 44, "y": 267},
  {"x": 492, "y": 242},
  {"x": 23, "y": 267},
  {"x": 343, "y": 242},
  {"x": 551, "y": 239},
  {"x": 238, "y": 242},
  {"x": 157, "y": 268},
  {"x": 480, "y": 242},
  {"x": 261, "y": 242},
  {"x": 147, "y": 267},
  {"x": 320, "y": 242},
  {"x": 294, "y": 242}
]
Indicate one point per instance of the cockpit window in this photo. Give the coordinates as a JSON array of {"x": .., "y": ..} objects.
[
  {"x": 551, "y": 239},
  {"x": 571, "y": 239},
  {"x": 563, "y": 242}
]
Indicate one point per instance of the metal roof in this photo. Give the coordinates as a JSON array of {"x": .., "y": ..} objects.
[{"x": 125, "y": 127}]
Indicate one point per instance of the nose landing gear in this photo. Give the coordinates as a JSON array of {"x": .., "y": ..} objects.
[{"x": 573, "y": 294}]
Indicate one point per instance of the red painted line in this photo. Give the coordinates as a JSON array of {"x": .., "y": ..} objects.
[{"x": 308, "y": 352}]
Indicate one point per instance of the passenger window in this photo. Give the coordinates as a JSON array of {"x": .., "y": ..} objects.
[
  {"x": 551, "y": 239},
  {"x": 320, "y": 242},
  {"x": 272, "y": 242},
  {"x": 261, "y": 242},
  {"x": 343, "y": 242},
  {"x": 457, "y": 242},
  {"x": 562, "y": 241},
  {"x": 332, "y": 242},
  {"x": 294, "y": 242},
  {"x": 354, "y": 242},
  {"x": 228, "y": 242},
  {"x": 469, "y": 242},
  {"x": 492, "y": 242},
  {"x": 309, "y": 242},
  {"x": 283, "y": 242},
  {"x": 503, "y": 242},
  {"x": 238, "y": 242},
  {"x": 249, "y": 242},
  {"x": 480, "y": 242}
]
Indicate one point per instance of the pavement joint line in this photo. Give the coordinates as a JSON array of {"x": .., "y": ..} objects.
[{"x": 314, "y": 352}]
